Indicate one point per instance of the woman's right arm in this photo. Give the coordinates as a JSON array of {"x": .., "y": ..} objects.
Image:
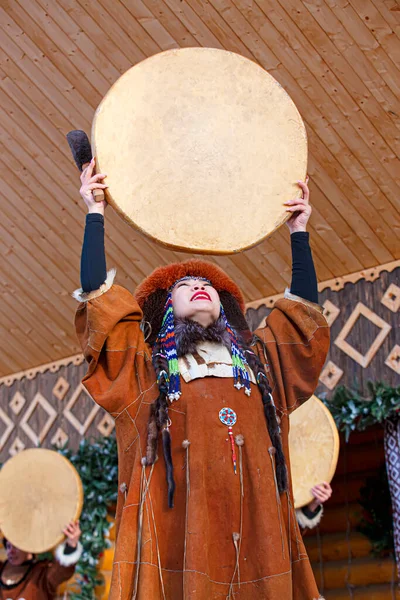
[{"x": 108, "y": 318}]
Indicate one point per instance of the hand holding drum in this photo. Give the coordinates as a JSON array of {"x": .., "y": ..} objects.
[{"x": 90, "y": 184}]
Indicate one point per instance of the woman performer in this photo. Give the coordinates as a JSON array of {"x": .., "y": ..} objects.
[
  {"x": 24, "y": 578},
  {"x": 176, "y": 364}
]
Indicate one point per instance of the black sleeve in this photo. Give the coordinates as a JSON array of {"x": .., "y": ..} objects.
[
  {"x": 93, "y": 259},
  {"x": 69, "y": 549},
  {"x": 304, "y": 278},
  {"x": 310, "y": 514}
]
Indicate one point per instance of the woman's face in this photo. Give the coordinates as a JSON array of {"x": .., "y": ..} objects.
[
  {"x": 197, "y": 300},
  {"x": 15, "y": 556}
]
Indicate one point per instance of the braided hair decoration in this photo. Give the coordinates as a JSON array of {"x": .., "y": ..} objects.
[{"x": 165, "y": 363}]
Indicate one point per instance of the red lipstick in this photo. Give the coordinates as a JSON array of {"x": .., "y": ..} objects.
[{"x": 201, "y": 295}]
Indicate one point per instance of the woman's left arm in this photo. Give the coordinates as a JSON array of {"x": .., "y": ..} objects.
[
  {"x": 296, "y": 335},
  {"x": 304, "y": 278}
]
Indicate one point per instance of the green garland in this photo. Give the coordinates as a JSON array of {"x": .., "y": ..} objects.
[
  {"x": 97, "y": 464},
  {"x": 353, "y": 412}
]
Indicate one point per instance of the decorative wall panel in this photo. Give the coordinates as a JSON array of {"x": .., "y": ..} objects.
[
  {"x": 49, "y": 408},
  {"x": 364, "y": 320}
]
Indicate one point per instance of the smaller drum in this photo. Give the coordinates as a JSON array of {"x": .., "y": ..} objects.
[
  {"x": 40, "y": 493},
  {"x": 313, "y": 449}
]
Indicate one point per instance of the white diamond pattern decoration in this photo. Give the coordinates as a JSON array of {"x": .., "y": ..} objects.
[
  {"x": 393, "y": 360},
  {"x": 340, "y": 342},
  {"x": 330, "y": 375},
  {"x": 81, "y": 427},
  {"x": 331, "y": 311},
  {"x": 38, "y": 400},
  {"x": 17, "y": 403},
  {"x": 9, "y": 427},
  {"x": 391, "y": 298},
  {"x": 61, "y": 388},
  {"x": 59, "y": 438},
  {"x": 106, "y": 425},
  {"x": 16, "y": 446}
]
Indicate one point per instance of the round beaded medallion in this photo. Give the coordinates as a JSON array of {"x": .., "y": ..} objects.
[{"x": 227, "y": 416}]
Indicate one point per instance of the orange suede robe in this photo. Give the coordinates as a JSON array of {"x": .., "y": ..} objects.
[{"x": 188, "y": 552}]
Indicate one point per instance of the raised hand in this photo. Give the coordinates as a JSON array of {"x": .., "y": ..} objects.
[
  {"x": 92, "y": 182},
  {"x": 321, "y": 492},
  {"x": 300, "y": 209},
  {"x": 72, "y": 533}
]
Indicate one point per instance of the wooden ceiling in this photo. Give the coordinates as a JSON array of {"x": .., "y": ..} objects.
[{"x": 338, "y": 59}]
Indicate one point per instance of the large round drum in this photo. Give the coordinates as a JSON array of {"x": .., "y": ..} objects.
[
  {"x": 313, "y": 448},
  {"x": 40, "y": 492},
  {"x": 201, "y": 147}
]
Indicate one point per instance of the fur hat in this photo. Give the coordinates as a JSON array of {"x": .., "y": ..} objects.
[
  {"x": 164, "y": 277},
  {"x": 152, "y": 293}
]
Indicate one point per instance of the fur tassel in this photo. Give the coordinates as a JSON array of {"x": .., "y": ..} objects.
[
  {"x": 271, "y": 418},
  {"x": 152, "y": 436},
  {"x": 280, "y": 464},
  {"x": 166, "y": 440}
]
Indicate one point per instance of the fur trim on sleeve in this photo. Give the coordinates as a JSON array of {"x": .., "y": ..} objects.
[
  {"x": 306, "y": 522},
  {"x": 289, "y": 296},
  {"x": 82, "y": 296},
  {"x": 66, "y": 560}
]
